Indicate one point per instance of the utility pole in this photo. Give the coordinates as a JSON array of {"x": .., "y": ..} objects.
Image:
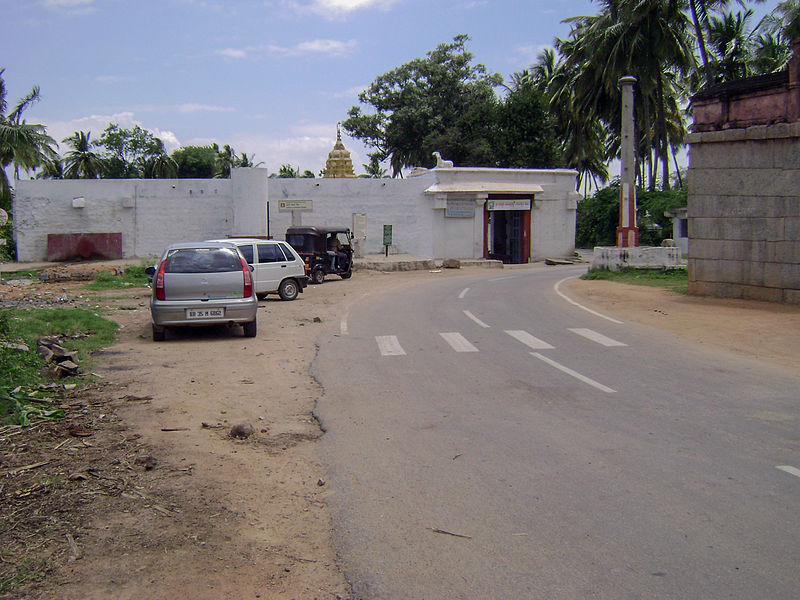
[{"x": 627, "y": 232}]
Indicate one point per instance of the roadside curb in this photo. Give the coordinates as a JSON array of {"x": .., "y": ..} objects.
[{"x": 419, "y": 264}]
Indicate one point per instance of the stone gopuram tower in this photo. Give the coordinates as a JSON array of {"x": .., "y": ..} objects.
[{"x": 339, "y": 163}]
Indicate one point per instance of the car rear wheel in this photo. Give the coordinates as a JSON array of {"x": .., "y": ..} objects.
[
  {"x": 288, "y": 289},
  {"x": 317, "y": 276},
  {"x": 159, "y": 333},
  {"x": 250, "y": 329}
]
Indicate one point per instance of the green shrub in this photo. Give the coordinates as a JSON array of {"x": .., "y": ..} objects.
[{"x": 598, "y": 217}]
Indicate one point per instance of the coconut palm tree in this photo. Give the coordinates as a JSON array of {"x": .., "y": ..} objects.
[
  {"x": 51, "y": 169},
  {"x": 81, "y": 162},
  {"x": 647, "y": 38},
  {"x": 729, "y": 37},
  {"x": 160, "y": 166},
  {"x": 22, "y": 145}
]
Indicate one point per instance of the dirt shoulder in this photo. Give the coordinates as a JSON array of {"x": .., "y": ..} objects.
[
  {"x": 141, "y": 491},
  {"x": 762, "y": 331}
]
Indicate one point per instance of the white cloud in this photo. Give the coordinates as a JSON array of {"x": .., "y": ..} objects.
[
  {"x": 232, "y": 53},
  {"x": 96, "y": 124},
  {"x": 70, "y": 7},
  {"x": 336, "y": 48},
  {"x": 338, "y": 9},
  {"x": 187, "y": 108},
  {"x": 332, "y": 47},
  {"x": 527, "y": 55}
]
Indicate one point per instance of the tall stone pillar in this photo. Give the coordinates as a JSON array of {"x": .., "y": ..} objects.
[{"x": 627, "y": 232}]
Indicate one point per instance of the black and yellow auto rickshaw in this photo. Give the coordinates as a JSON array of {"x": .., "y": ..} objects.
[{"x": 325, "y": 250}]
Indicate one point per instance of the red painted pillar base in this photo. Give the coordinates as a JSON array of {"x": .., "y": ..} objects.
[{"x": 627, "y": 237}]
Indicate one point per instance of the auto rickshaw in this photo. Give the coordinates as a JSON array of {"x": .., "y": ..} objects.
[{"x": 324, "y": 250}]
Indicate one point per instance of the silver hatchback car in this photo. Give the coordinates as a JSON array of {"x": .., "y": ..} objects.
[{"x": 203, "y": 283}]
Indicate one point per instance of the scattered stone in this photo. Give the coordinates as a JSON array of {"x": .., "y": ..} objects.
[
  {"x": 317, "y": 320},
  {"x": 320, "y": 482},
  {"x": 148, "y": 462},
  {"x": 451, "y": 263},
  {"x": 22, "y": 348},
  {"x": 242, "y": 431},
  {"x": 78, "y": 430},
  {"x": 65, "y": 368}
]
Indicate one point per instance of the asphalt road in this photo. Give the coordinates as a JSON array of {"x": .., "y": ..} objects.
[{"x": 485, "y": 438}]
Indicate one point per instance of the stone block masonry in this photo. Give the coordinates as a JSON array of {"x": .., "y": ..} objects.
[{"x": 744, "y": 212}]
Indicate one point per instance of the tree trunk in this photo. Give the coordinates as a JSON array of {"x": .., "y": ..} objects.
[
  {"x": 662, "y": 134},
  {"x": 701, "y": 42}
]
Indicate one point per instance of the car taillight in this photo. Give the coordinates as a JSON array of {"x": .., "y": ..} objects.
[
  {"x": 248, "y": 279},
  {"x": 160, "y": 295}
]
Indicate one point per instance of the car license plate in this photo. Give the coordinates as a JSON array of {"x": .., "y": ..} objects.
[{"x": 204, "y": 313}]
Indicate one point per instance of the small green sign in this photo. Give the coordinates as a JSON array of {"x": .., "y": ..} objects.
[{"x": 387, "y": 235}]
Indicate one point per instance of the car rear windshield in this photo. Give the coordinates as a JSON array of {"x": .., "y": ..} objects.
[{"x": 202, "y": 260}]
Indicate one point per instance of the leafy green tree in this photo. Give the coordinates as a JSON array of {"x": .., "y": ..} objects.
[
  {"x": 196, "y": 162},
  {"x": 22, "y": 145},
  {"x": 525, "y": 130},
  {"x": 307, "y": 174},
  {"x": 128, "y": 150},
  {"x": 81, "y": 162},
  {"x": 441, "y": 102},
  {"x": 598, "y": 216}
]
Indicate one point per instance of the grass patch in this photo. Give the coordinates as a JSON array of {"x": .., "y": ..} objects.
[
  {"x": 76, "y": 329},
  {"x": 131, "y": 277},
  {"x": 674, "y": 280},
  {"x": 9, "y": 275},
  {"x": 29, "y": 569}
]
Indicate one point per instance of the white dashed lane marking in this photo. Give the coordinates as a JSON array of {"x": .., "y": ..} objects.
[
  {"x": 389, "y": 345},
  {"x": 463, "y": 293},
  {"x": 597, "y": 337},
  {"x": 526, "y": 338},
  {"x": 458, "y": 342}
]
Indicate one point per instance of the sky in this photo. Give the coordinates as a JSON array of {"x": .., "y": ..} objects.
[{"x": 269, "y": 77}]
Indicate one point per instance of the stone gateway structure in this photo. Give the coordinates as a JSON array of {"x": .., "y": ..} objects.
[
  {"x": 744, "y": 188},
  {"x": 515, "y": 215}
]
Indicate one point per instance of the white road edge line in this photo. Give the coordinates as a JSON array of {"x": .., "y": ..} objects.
[
  {"x": 476, "y": 319},
  {"x": 574, "y": 374},
  {"x": 463, "y": 293},
  {"x": 571, "y": 301},
  {"x": 458, "y": 342},
  {"x": 788, "y": 469}
]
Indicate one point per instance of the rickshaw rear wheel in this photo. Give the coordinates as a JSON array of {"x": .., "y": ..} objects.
[{"x": 317, "y": 276}]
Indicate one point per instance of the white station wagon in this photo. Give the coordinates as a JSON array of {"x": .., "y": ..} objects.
[{"x": 277, "y": 268}]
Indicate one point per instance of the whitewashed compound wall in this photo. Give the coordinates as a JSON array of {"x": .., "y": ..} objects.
[{"x": 153, "y": 213}]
